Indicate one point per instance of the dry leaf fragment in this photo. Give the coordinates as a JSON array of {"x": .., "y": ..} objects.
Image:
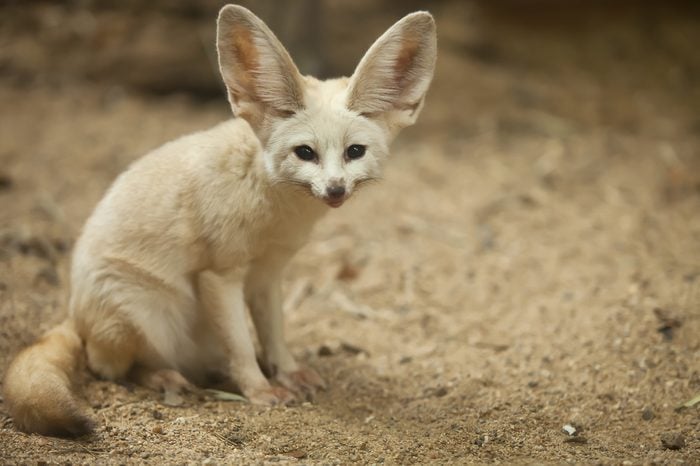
[
  {"x": 691, "y": 402},
  {"x": 298, "y": 454},
  {"x": 225, "y": 396}
]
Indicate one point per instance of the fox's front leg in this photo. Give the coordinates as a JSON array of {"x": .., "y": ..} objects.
[
  {"x": 263, "y": 293},
  {"x": 222, "y": 300}
]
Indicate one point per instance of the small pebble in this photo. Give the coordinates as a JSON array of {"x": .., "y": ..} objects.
[
  {"x": 158, "y": 429},
  {"x": 673, "y": 440},
  {"x": 157, "y": 415},
  {"x": 6, "y": 182},
  {"x": 668, "y": 323},
  {"x": 298, "y": 454},
  {"x": 347, "y": 272},
  {"x": 648, "y": 414},
  {"x": 325, "y": 350},
  {"x": 48, "y": 275},
  {"x": 569, "y": 429},
  {"x": 352, "y": 349},
  {"x": 37, "y": 246}
]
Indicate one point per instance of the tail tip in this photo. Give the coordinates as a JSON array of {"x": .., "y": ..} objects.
[
  {"x": 77, "y": 426},
  {"x": 81, "y": 426}
]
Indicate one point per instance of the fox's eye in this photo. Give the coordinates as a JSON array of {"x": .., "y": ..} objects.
[
  {"x": 356, "y": 151},
  {"x": 305, "y": 153}
]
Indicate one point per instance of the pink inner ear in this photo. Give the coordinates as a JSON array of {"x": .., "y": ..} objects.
[
  {"x": 247, "y": 55},
  {"x": 405, "y": 59}
]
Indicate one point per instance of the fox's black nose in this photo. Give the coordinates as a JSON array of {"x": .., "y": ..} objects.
[{"x": 335, "y": 192}]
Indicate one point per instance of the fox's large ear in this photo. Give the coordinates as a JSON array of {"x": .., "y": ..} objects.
[
  {"x": 259, "y": 74},
  {"x": 392, "y": 78}
]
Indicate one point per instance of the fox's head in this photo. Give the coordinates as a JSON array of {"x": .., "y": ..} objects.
[{"x": 326, "y": 136}]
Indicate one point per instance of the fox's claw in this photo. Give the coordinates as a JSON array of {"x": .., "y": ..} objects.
[
  {"x": 271, "y": 396},
  {"x": 303, "y": 381},
  {"x": 167, "y": 381}
]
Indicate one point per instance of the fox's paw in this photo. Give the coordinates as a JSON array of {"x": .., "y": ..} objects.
[
  {"x": 305, "y": 382},
  {"x": 270, "y": 396},
  {"x": 167, "y": 381}
]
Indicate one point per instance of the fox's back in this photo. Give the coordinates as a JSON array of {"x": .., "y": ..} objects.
[{"x": 166, "y": 200}]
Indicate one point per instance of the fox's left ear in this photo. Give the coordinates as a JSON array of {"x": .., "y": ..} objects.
[{"x": 394, "y": 75}]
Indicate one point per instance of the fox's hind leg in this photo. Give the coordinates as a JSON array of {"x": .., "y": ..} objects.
[
  {"x": 112, "y": 355},
  {"x": 169, "y": 382},
  {"x": 129, "y": 316},
  {"x": 115, "y": 351},
  {"x": 116, "y": 359},
  {"x": 161, "y": 380}
]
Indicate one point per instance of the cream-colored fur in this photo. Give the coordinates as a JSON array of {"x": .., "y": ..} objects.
[{"x": 203, "y": 227}]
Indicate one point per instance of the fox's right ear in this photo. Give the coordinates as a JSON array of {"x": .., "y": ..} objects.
[{"x": 260, "y": 76}]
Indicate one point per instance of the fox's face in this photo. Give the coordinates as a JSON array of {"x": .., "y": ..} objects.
[
  {"x": 326, "y": 147},
  {"x": 325, "y": 136}
]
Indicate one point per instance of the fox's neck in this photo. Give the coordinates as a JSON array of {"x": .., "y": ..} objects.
[
  {"x": 284, "y": 214},
  {"x": 254, "y": 211},
  {"x": 282, "y": 203}
]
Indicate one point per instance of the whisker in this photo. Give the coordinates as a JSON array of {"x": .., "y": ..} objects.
[
  {"x": 300, "y": 186},
  {"x": 366, "y": 181}
]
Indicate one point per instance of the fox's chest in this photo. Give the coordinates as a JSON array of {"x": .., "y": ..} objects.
[
  {"x": 287, "y": 231},
  {"x": 251, "y": 239}
]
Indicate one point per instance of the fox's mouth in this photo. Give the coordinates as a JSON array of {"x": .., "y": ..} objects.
[{"x": 334, "y": 202}]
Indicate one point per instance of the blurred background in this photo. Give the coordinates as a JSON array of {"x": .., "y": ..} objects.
[
  {"x": 531, "y": 259},
  {"x": 602, "y": 62},
  {"x": 506, "y": 67}
]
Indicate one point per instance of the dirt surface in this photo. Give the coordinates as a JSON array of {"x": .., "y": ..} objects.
[{"x": 531, "y": 260}]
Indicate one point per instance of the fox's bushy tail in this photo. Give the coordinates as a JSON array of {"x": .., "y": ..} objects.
[{"x": 38, "y": 386}]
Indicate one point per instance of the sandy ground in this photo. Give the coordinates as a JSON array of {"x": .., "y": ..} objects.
[{"x": 531, "y": 260}]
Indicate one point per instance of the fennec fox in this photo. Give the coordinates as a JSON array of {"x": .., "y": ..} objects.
[{"x": 203, "y": 226}]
